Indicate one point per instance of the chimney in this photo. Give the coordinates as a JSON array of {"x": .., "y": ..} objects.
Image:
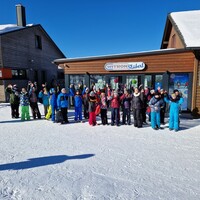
[{"x": 21, "y": 15}]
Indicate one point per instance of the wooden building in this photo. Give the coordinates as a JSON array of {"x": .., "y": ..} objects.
[
  {"x": 175, "y": 66},
  {"x": 26, "y": 53}
]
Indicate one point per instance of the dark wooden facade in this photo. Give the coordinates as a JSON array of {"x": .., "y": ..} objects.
[{"x": 18, "y": 51}]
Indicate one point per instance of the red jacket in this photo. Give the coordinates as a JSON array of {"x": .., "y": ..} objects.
[{"x": 115, "y": 102}]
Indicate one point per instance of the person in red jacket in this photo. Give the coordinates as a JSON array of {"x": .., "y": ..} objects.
[
  {"x": 92, "y": 107},
  {"x": 114, "y": 104}
]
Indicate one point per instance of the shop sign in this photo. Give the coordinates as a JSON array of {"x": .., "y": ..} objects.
[
  {"x": 124, "y": 66},
  {"x": 5, "y": 73}
]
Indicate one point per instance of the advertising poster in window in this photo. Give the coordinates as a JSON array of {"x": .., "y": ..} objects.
[{"x": 180, "y": 82}]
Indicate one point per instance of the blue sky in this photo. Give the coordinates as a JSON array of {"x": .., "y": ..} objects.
[{"x": 99, "y": 27}]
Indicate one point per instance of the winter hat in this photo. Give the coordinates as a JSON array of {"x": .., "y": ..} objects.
[
  {"x": 15, "y": 87},
  {"x": 152, "y": 91},
  {"x": 156, "y": 93},
  {"x": 176, "y": 91},
  {"x": 92, "y": 94},
  {"x": 52, "y": 90}
]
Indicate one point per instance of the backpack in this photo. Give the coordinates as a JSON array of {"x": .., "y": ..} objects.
[{"x": 59, "y": 117}]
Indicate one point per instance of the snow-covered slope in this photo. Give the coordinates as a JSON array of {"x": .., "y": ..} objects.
[{"x": 40, "y": 160}]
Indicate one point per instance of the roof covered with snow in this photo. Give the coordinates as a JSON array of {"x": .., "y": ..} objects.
[
  {"x": 5, "y": 28},
  {"x": 188, "y": 25}
]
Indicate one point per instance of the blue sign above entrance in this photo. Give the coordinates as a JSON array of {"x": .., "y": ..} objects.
[{"x": 124, "y": 66}]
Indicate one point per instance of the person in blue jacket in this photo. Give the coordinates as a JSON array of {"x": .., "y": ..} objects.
[
  {"x": 78, "y": 101},
  {"x": 53, "y": 104},
  {"x": 175, "y": 102},
  {"x": 156, "y": 103},
  {"x": 44, "y": 95},
  {"x": 62, "y": 103}
]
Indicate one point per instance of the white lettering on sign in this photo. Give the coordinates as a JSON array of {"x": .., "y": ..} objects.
[
  {"x": 123, "y": 66},
  {"x": 1, "y": 74}
]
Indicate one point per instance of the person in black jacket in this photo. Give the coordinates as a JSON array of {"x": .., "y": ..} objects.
[
  {"x": 137, "y": 105},
  {"x": 14, "y": 100},
  {"x": 86, "y": 96}
]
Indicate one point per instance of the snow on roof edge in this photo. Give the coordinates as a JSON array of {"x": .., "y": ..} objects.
[
  {"x": 188, "y": 26},
  {"x": 6, "y": 28}
]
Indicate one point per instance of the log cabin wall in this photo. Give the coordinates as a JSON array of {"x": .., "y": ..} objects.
[{"x": 173, "y": 62}]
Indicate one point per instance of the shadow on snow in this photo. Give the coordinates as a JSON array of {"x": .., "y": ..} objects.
[{"x": 42, "y": 161}]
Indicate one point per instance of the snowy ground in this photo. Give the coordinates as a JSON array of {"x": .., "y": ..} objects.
[{"x": 40, "y": 160}]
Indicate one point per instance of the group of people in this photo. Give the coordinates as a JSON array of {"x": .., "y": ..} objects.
[{"x": 90, "y": 102}]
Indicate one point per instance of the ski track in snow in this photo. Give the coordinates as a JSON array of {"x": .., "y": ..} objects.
[{"x": 40, "y": 160}]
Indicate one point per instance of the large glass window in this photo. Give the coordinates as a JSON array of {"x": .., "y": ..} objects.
[
  {"x": 77, "y": 80},
  {"x": 115, "y": 82},
  {"x": 158, "y": 82},
  {"x": 98, "y": 80},
  {"x": 132, "y": 81},
  {"x": 148, "y": 81},
  {"x": 19, "y": 74},
  {"x": 180, "y": 82}
]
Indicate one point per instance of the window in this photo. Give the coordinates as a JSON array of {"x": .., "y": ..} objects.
[
  {"x": 181, "y": 83},
  {"x": 38, "y": 42},
  {"x": 158, "y": 82},
  {"x": 173, "y": 42},
  {"x": 116, "y": 82},
  {"x": 98, "y": 80},
  {"x": 132, "y": 81},
  {"x": 77, "y": 80},
  {"x": 148, "y": 81},
  {"x": 60, "y": 75},
  {"x": 43, "y": 76},
  {"x": 19, "y": 74},
  {"x": 36, "y": 75}
]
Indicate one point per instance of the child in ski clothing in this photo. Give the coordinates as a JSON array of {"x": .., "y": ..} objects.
[
  {"x": 104, "y": 107},
  {"x": 78, "y": 101},
  {"x": 163, "y": 108},
  {"x": 156, "y": 103},
  {"x": 86, "y": 102},
  {"x": 126, "y": 105},
  {"x": 137, "y": 105},
  {"x": 24, "y": 103},
  {"x": 34, "y": 102},
  {"x": 175, "y": 103},
  {"x": 92, "y": 108},
  {"x": 62, "y": 103},
  {"x": 114, "y": 104},
  {"x": 53, "y": 105},
  {"x": 14, "y": 100},
  {"x": 44, "y": 95}
]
